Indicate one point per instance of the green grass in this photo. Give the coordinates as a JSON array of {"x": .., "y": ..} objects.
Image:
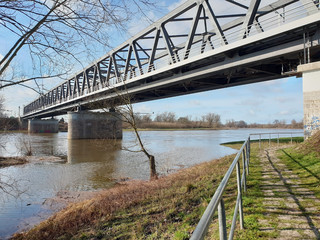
[
  {"x": 264, "y": 141},
  {"x": 256, "y": 215},
  {"x": 253, "y": 208},
  {"x": 305, "y": 165},
  {"x": 171, "y": 207}
]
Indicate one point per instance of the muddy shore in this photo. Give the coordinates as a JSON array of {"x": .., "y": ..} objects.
[{"x": 11, "y": 161}]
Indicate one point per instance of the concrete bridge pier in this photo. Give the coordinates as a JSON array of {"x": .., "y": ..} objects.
[
  {"x": 43, "y": 125},
  {"x": 94, "y": 125},
  {"x": 311, "y": 97}
]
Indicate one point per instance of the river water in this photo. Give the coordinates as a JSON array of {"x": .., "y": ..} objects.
[{"x": 89, "y": 165}]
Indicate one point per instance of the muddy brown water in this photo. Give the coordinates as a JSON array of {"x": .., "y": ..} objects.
[{"x": 90, "y": 165}]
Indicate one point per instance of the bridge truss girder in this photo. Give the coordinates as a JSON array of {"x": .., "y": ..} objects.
[{"x": 205, "y": 38}]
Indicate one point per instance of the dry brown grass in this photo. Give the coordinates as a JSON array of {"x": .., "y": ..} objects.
[
  {"x": 89, "y": 213},
  {"x": 312, "y": 144}
]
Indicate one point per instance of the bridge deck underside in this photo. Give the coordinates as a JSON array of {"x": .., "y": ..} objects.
[{"x": 265, "y": 56}]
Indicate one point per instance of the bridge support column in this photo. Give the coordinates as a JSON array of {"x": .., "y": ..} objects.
[
  {"x": 43, "y": 126},
  {"x": 311, "y": 97},
  {"x": 94, "y": 125}
]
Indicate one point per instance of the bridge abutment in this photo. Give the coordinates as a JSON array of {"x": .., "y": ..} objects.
[
  {"x": 311, "y": 97},
  {"x": 94, "y": 125},
  {"x": 43, "y": 126}
]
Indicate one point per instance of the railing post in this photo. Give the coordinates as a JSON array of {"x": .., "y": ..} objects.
[
  {"x": 269, "y": 139},
  {"x": 247, "y": 157},
  {"x": 278, "y": 139},
  {"x": 291, "y": 138},
  {"x": 259, "y": 141},
  {"x": 249, "y": 140},
  {"x": 244, "y": 156},
  {"x": 244, "y": 172},
  {"x": 222, "y": 220},
  {"x": 240, "y": 195}
]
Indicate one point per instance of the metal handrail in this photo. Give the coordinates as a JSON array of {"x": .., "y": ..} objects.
[
  {"x": 217, "y": 199},
  {"x": 275, "y": 133}
]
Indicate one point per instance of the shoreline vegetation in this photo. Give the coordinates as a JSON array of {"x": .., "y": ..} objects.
[
  {"x": 169, "y": 121},
  {"x": 167, "y": 208},
  {"x": 12, "y": 161}
]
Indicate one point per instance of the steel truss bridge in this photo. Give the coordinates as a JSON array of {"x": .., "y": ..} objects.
[{"x": 201, "y": 45}]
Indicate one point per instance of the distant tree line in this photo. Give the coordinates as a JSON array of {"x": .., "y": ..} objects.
[
  {"x": 170, "y": 120},
  {"x": 209, "y": 120},
  {"x": 9, "y": 124}
]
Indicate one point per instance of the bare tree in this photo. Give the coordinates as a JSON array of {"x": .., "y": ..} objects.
[
  {"x": 9, "y": 186},
  {"x": 242, "y": 124},
  {"x": 129, "y": 116},
  {"x": 212, "y": 119},
  {"x": 184, "y": 120},
  {"x": 230, "y": 123},
  {"x": 2, "y": 108},
  {"x": 146, "y": 118},
  {"x": 165, "y": 117},
  {"x": 58, "y": 33},
  {"x": 123, "y": 105}
]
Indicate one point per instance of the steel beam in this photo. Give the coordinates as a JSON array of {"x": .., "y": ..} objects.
[{"x": 118, "y": 63}]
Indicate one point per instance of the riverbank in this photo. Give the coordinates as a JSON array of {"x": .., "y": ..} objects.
[
  {"x": 168, "y": 208},
  {"x": 11, "y": 161}
]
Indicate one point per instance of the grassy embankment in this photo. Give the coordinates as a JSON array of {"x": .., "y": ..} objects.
[
  {"x": 305, "y": 162},
  {"x": 168, "y": 208},
  {"x": 302, "y": 159}
]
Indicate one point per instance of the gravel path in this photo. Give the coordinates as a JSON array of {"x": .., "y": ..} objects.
[{"x": 292, "y": 209}]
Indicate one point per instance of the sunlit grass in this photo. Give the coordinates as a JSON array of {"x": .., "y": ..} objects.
[{"x": 171, "y": 207}]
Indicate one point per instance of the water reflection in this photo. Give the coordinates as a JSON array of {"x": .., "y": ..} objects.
[
  {"x": 100, "y": 154},
  {"x": 96, "y": 164},
  {"x": 81, "y": 150}
]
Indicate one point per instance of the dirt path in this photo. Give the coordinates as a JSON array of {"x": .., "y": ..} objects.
[{"x": 292, "y": 209}]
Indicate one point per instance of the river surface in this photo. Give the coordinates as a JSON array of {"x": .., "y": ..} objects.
[{"x": 90, "y": 165}]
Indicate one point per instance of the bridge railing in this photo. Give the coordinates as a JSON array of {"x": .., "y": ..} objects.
[
  {"x": 78, "y": 86},
  {"x": 269, "y": 22},
  {"x": 217, "y": 202}
]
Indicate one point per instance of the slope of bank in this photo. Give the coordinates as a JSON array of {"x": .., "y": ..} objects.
[
  {"x": 166, "y": 208},
  {"x": 170, "y": 207},
  {"x": 283, "y": 197}
]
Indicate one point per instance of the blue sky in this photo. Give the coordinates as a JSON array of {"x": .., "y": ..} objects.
[
  {"x": 261, "y": 102},
  {"x": 255, "y": 103}
]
